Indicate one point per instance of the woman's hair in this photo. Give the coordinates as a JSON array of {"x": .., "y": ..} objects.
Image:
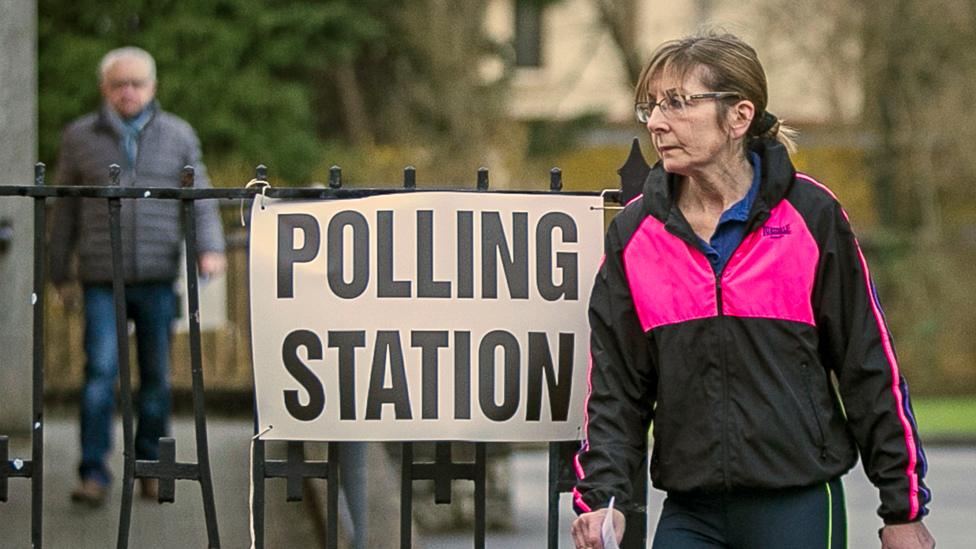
[{"x": 725, "y": 63}]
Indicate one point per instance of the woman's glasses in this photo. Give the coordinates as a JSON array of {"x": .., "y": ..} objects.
[{"x": 674, "y": 104}]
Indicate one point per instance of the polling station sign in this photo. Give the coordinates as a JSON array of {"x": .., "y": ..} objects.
[{"x": 423, "y": 316}]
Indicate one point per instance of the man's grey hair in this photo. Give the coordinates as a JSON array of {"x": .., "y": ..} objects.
[{"x": 130, "y": 52}]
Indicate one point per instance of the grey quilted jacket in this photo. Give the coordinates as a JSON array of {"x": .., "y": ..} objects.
[{"x": 151, "y": 229}]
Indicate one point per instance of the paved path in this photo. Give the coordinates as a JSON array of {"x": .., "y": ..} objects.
[
  {"x": 952, "y": 478},
  {"x": 177, "y": 525}
]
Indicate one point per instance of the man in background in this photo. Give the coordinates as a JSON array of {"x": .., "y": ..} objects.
[{"x": 152, "y": 146}]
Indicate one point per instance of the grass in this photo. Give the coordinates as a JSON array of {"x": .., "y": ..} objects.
[{"x": 945, "y": 416}]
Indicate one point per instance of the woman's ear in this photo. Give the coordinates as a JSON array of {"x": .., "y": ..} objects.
[{"x": 740, "y": 118}]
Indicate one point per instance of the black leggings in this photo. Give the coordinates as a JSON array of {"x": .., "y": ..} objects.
[{"x": 814, "y": 517}]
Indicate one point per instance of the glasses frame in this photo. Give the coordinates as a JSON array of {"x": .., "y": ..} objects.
[{"x": 644, "y": 109}]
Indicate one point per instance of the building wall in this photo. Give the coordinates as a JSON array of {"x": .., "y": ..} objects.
[
  {"x": 18, "y": 150},
  {"x": 581, "y": 70}
]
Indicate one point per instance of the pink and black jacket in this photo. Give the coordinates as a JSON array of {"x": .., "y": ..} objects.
[{"x": 736, "y": 370}]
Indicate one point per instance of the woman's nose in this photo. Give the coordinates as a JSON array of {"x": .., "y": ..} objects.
[{"x": 656, "y": 122}]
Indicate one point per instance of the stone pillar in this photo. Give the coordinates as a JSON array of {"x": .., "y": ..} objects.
[{"x": 18, "y": 153}]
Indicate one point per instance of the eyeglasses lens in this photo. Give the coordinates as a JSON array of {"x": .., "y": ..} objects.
[{"x": 673, "y": 104}]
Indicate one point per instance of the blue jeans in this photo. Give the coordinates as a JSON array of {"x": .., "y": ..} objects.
[
  {"x": 352, "y": 460},
  {"x": 151, "y": 306}
]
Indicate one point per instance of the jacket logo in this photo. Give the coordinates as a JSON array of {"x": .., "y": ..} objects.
[{"x": 776, "y": 232}]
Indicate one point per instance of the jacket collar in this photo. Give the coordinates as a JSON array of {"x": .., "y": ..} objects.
[{"x": 776, "y": 178}]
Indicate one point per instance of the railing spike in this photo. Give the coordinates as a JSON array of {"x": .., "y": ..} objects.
[
  {"x": 409, "y": 177},
  {"x": 335, "y": 177},
  {"x": 39, "y": 170},
  {"x": 114, "y": 172},
  {"x": 482, "y": 178},
  {"x": 555, "y": 179},
  {"x": 186, "y": 176}
]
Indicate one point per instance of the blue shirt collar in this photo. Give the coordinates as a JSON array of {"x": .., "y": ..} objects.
[{"x": 740, "y": 210}]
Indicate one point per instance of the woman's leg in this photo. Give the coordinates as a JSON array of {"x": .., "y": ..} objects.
[{"x": 803, "y": 518}]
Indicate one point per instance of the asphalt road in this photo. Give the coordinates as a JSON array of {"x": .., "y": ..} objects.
[{"x": 952, "y": 478}]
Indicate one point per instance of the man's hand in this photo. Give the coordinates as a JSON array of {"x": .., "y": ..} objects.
[
  {"x": 913, "y": 535},
  {"x": 587, "y": 528},
  {"x": 69, "y": 295},
  {"x": 211, "y": 264}
]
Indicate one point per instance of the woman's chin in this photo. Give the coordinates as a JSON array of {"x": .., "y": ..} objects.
[{"x": 673, "y": 166}]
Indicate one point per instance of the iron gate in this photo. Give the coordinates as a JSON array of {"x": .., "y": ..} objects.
[{"x": 295, "y": 468}]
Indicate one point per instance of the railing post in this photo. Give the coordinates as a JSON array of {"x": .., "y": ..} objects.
[
  {"x": 37, "y": 423},
  {"x": 257, "y": 499},
  {"x": 480, "y": 494},
  {"x": 196, "y": 361},
  {"x": 406, "y": 495},
  {"x": 552, "y": 493},
  {"x": 258, "y": 450},
  {"x": 122, "y": 346},
  {"x": 4, "y": 465},
  {"x": 332, "y": 492},
  {"x": 443, "y": 470}
]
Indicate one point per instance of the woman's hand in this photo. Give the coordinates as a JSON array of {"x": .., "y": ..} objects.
[
  {"x": 587, "y": 528},
  {"x": 913, "y": 535}
]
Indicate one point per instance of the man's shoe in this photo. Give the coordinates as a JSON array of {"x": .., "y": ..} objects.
[
  {"x": 149, "y": 488},
  {"x": 91, "y": 492}
]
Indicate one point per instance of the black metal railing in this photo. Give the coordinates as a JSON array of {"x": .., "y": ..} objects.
[{"x": 295, "y": 468}]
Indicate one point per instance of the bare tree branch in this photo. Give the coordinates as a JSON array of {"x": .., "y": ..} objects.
[{"x": 618, "y": 18}]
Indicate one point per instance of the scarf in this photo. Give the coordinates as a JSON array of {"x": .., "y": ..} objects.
[{"x": 129, "y": 130}]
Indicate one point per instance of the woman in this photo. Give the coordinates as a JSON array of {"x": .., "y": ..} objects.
[{"x": 735, "y": 310}]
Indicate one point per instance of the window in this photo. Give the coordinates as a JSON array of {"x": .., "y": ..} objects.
[{"x": 528, "y": 33}]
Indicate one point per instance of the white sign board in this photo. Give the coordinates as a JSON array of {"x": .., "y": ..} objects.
[{"x": 423, "y": 316}]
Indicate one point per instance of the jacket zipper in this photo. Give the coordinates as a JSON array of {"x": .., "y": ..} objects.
[
  {"x": 725, "y": 388},
  {"x": 718, "y": 293},
  {"x": 761, "y": 218},
  {"x": 751, "y": 226}
]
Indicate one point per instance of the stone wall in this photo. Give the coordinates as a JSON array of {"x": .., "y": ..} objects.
[{"x": 18, "y": 150}]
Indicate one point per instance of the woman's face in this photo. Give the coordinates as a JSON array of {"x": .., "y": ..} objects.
[{"x": 688, "y": 139}]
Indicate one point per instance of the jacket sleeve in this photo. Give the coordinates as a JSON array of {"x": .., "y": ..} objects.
[
  {"x": 856, "y": 343},
  {"x": 63, "y": 223},
  {"x": 210, "y": 235},
  {"x": 620, "y": 401}
]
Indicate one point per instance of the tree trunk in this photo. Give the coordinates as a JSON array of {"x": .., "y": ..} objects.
[{"x": 354, "y": 115}]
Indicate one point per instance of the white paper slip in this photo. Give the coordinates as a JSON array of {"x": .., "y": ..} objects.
[{"x": 608, "y": 532}]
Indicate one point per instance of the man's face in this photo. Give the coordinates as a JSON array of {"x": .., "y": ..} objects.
[{"x": 128, "y": 86}]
